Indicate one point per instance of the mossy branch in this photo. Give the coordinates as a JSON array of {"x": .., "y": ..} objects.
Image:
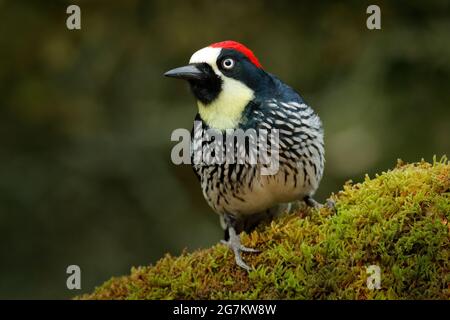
[{"x": 397, "y": 220}]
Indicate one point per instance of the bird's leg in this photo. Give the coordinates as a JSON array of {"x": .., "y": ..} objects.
[
  {"x": 316, "y": 205},
  {"x": 234, "y": 243}
]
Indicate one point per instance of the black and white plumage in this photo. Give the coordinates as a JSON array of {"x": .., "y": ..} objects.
[{"x": 234, "y": 92}]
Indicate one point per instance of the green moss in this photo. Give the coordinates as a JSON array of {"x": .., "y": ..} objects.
[{"x": 397, "y": 220}]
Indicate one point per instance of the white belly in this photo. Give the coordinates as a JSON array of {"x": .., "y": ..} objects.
[{"x": 255, "y": 193}]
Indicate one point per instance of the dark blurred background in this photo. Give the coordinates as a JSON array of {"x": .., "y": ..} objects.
[{"x": 86, "y": 118}]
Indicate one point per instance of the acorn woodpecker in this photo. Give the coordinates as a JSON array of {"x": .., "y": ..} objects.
[{"x": 233, "y": 91}]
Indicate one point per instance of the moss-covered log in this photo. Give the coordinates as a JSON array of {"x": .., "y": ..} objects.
[{"x": 397, "y": 220}]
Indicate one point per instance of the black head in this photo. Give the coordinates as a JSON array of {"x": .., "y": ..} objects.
[{"x": 224, "y": 78}]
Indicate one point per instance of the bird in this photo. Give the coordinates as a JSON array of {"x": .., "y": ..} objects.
[{"x": 233, "y": 91}]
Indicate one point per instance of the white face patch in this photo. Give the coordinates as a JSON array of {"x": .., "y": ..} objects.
[
  {"x": 226, "y": 110},
  {"x": 208, "y": 55}
]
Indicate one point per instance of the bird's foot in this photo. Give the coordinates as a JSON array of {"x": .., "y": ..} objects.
[
  {"x": 234, "y": 243},
  {"x": 330, "y": 204},
  {"x": 241, "y": 247}
]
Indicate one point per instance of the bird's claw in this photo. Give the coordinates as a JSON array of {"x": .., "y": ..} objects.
[
  {"x": 234, "y": 244},
  {"x": 241, "y": 247},
  {"x": 330, "y": 204}
]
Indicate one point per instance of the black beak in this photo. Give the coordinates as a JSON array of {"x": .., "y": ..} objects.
[{"x": 190, "y": 72}]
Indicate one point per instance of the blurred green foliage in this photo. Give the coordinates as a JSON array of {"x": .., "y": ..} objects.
[{"x": 86, "y": 117}]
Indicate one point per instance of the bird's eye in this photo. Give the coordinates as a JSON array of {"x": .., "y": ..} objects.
[{"x": 228, "y": 63}]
